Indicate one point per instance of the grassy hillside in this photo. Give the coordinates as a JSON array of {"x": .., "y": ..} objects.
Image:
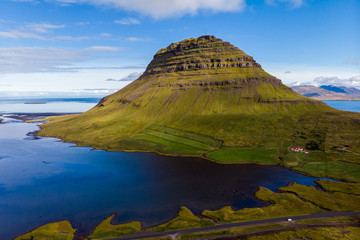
[{"x": 205, "y": 97}]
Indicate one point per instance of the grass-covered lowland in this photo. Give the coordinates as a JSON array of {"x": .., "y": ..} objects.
[
  {"x": 204, "y": 97},
  {"x": 51, "y": 231}
]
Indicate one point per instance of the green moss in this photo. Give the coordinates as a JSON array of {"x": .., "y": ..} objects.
[
  {"x": 335, "y": 201},
  {"x": 332, "y": 186},
  {"x": 106, "y": 230},
  {"x": 184, "y": 219},
  {"x": 337, "y": 170},
  {"x": 246, "y": 155},
  {"x": 51, "y": 231},
  {"x": 282, "y": 204}
]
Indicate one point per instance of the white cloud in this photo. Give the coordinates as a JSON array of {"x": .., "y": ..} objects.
[
  {"x": 347, "y": 82},
  {"x": 292, "y": 3},
  {"x": 82, "y": 23},
  {"x": 14, "y": 34},
  {"x": 96, "y": 90},
  {"x": 103, "y": 49},
  {"x": 129, "y": 78},
  {"x": 136, "y": 39},
  {"x": 40, "y": 31},
  {"x": 31, "y": 1},
  {"x": 159, "y": 9},
  {"x": 35, "y": 59},
  {"x": 105, "y": 35},
  {"x": 43, "y": 27},
  {"x": 69, "y": 38},
  {"x": 128, "y": 21}
]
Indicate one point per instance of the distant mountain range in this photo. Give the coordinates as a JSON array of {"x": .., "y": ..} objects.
[{"x": 328, "y": 92}]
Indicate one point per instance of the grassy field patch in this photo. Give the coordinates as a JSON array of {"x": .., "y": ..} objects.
[
  {"x": 337, "y": 170},
  {"x": 282, "y": 204},
  {"x": 332, "y": 186},
  {"x": 184, "y": 219},
  {"x": 168, "y": 147},
  {"x": 51, "y": 231},
  {"x": 331, "y": 201},
  {"x": 245, "y": 155},
  {"x": 106, "y": 230}
]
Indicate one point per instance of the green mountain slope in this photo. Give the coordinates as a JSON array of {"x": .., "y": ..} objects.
[{"x": 200, "y": 95}]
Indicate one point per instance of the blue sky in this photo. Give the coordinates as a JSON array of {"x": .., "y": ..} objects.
[{"x": 98, "y": 46}]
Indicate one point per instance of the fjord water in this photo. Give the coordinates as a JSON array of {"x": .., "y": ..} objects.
[
  {"x": 353, "y": 106},
  {"x": 47, "y": 105},
  {"x": 45, "y": 180}
]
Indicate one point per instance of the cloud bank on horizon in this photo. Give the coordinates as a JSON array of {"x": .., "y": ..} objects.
[{"x": 335, "y": 81}]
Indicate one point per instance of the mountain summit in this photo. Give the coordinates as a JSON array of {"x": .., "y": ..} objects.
[
  {"x": 202, "y": 75},
  {"x": 196, "y": 96}
]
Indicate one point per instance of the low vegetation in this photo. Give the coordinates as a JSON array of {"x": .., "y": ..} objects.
[
  {"x": 244, "y": 155},
  {"x": 335, "y": 201},
  {"x": 281, "y": 204},
  {"x": 51, "y": 231},
  {"x": 343, "y": 187},
  {"x": 106, "y": 230},
  {"x": 184, "y": 219}
]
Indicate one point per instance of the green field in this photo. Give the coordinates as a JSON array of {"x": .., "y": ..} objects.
[
  {"x": 184, "y": 219},
  {"x": 337, "y": 170},
  {"x": 244, "y": 155},
  {"x": 332, "y": 186},
  {"x": 335, "y": 201},
  {"x": 51, "y": 231},
  {"x": 282, "y": 204},
  {"x": 106, "y": 230}
]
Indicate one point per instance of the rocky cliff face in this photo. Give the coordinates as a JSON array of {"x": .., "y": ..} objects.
[
  {"x": 206, "y": 55},
  {"x": 206, "y": 52}
]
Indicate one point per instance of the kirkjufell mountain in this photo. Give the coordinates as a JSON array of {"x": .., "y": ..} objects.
[{"x": 203, "y": 94}]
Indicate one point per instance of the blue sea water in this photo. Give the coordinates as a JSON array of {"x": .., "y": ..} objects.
[
  {"x": 353, "y": 106},
  {"x": 47, "y": 105}
]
